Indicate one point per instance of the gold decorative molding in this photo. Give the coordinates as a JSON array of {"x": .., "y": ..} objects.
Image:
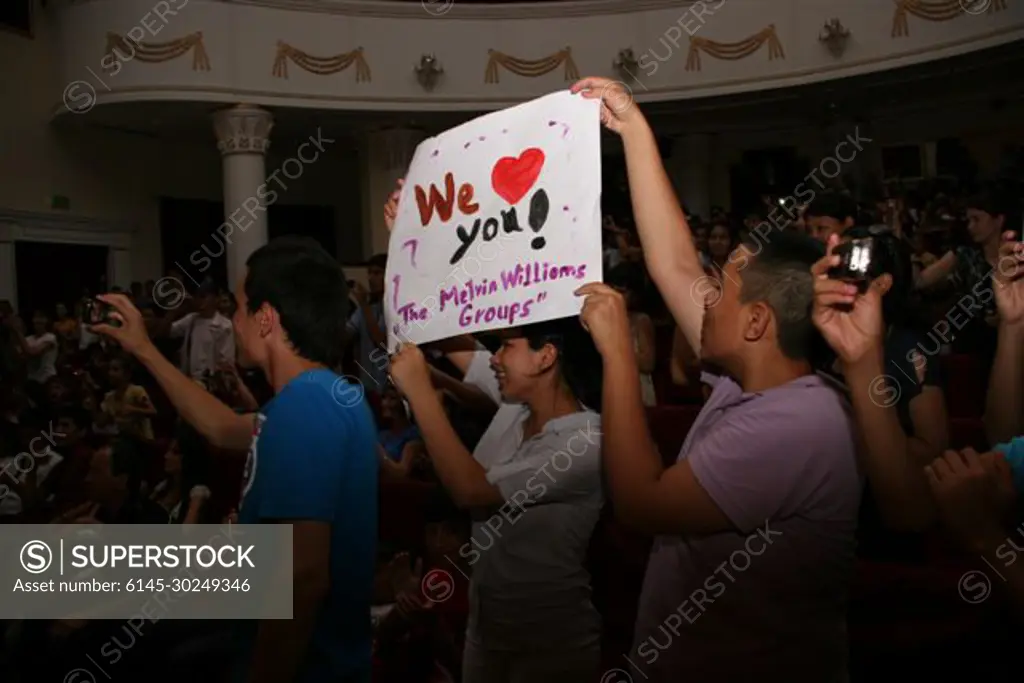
[
  {"x": 938, "y": 10},
  {"x": 322, "y": 66},
  {"x": 124, "y": 49},
  {"x": 733, "y": 51},
  {"x": 346, "y": 100},
  {"x": 531, "y": 68}
]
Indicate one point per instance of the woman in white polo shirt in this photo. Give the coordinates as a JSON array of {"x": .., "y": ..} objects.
[{"x": 533, "y": 484}]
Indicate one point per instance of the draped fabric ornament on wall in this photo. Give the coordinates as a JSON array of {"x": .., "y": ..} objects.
[
  {"x": 322, "y": 66},
  {"x": 530, "y": 68},
  {"x": 737, "y": 50},
  {"x": 939, "y": 10},
  {"x": 125, "y": 49}
]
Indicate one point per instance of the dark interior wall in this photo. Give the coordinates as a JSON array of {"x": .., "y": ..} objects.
[
  {"x": 49, "y": 273},
  {"x": 190, "y": 243}
]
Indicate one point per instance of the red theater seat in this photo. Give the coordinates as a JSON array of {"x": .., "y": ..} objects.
[
  {"x": 965, "y": 385},
  {"x": 967, "y": 432},
  {"x": 226, "y": 469},
  {"x": 401, "y": 509},
  {"x": 901, "y": 614}
]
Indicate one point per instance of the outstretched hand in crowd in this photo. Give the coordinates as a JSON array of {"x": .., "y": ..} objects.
[
  {"x": 849, "y": 321},
  {"x": 973, "y": 493},
  {"x": 410, "y": 371},
  {"x": 407, "y": 585},
  {"x": 131, "y": 334},
  {"x": 606, "y": 317},
  {"x": 1008, "y": 280},
  {"x": 618, "y": 110}
]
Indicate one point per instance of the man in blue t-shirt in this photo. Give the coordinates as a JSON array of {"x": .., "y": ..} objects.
[{"x": 312, "y": 458}]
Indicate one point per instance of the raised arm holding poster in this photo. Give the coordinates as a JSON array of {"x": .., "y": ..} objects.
[{"x": 499, "y": 222}]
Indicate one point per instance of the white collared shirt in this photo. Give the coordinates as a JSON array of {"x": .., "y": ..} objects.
[
  {"x": 529, "y": 586},
  {"x": 208, "y": 342}
]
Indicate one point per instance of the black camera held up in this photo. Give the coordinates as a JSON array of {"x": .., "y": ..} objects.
[
  {"x": 100, "y": 313},
  {"x": 859, "y": 262}
]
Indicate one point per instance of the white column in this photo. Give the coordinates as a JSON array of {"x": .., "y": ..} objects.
[
  {"x": 243, "y": 138},
  {"x": 385, "y": 157},
  {"x": 8, "y": 274},
  {"x": 690, "y": 172}
]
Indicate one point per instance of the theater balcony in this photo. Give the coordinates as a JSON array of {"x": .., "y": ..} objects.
[{"x": 472, "y": 56}]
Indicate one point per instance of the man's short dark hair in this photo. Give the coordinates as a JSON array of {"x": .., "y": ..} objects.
[
  {"x": 995, "y": 200},
  {"x": 832, "y": 204},
  {"x": 306, "y": 287},
  {"x": 779, "y": 273}
]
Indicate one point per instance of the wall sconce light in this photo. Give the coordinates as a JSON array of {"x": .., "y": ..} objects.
[
  {"x": 428, "y": 71},
  {"x": 834, "y": 35},
  {"x": 626, "y": 64}
]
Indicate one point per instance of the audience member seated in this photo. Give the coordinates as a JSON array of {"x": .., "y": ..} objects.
[
  {"x": 628, "y": 280},
  {"x": 830, "y": 213},
  {"x": 971, "y": 268},
  {"x": 700, "y": 241},
  {"x": 180, "y": 497},
  {"x": 722, "y": 239},
  {"x": 684, "y": 364},
  {"x": 366, "y": 327},
  {"x": 401, "y": 445},
  {"x": 29, "y": 470},
  {"x": 419, "y": 635},
  {"x": 65, "y": 326},
  {"x": 208, "y": 341},
  {"x": 127, "y": 405},
  {"x": 40, "y": 349},
  {"x": 73, "y": 443}
]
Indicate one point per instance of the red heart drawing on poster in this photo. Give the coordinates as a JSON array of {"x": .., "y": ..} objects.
[{"x": 512, "y": 178}]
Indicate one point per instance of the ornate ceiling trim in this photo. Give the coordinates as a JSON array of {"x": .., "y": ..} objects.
[
  {"x": 453, "y": 9},
  {"x": 642, "y": 93}
]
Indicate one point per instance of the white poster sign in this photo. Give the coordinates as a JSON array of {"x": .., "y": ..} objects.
[{"x": 498, "y": 223}]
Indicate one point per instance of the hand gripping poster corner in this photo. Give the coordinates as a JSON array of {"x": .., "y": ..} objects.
[{"x": 499, "y": 222}]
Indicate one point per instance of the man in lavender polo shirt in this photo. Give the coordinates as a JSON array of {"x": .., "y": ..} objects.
[{"x": 755, "y": 523}]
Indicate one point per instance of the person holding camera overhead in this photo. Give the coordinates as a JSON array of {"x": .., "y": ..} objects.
[
  {"x": 312, "y": 459},
  {"x": 755, "y": 522},
  {"x": 893, "y": 379}
]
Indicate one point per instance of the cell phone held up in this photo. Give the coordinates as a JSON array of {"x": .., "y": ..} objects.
[
  {"x": 858, "y": 261},
  {"x": 100, "y": 313}
]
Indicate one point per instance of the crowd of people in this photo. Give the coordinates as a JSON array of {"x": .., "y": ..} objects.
[{"x": 793, "y": 463}]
